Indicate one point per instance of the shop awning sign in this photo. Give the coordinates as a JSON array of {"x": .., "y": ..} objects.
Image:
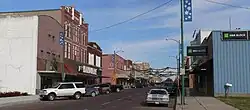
[
  {"x": 86, "y": 69},
  {"x": 197, "y": 50},
  {"x": 235, "y": 35}
]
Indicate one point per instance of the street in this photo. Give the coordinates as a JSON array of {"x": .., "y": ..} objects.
[{"x": 130, "y": 99}]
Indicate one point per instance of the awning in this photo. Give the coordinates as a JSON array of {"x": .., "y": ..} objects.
[
  {"x": 201, "y": 68},
  {"x": 122, "y": 74}
]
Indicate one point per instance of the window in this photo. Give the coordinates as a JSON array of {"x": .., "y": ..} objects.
[
  {"x": 65, "y": 50},
  {"x": 74, "y": 52},
  {"x": 69, "y": 50},
  {"x": 89, "y": 56},
  {"x": 81, "y": 55},
  {"x": 77, "y": 53},
  {"x": 158, "y": 92},
  {"x": 84, "y": 38},
  {"x": 69, "y": 31},
  {"x": 84, "y": 56},
  {"x": 66, "y": 29},
  {"x": 80, "y": 85},
  {"x": 66, "y": 86},
  {"x": 98, "y": 61}
]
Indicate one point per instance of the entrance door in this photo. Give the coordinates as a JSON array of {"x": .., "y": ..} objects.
[{"x": 46, "y": 82}]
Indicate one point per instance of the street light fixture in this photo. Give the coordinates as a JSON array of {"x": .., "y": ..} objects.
[{"x": 178, "y": 72}]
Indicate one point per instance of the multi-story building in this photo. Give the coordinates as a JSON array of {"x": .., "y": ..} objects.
[
  {"x": 75, "y": 33},
  {"x": 94, "y": 62},
  {"x": 121, "y": 76},
  {"x": 31, "y": 57}
]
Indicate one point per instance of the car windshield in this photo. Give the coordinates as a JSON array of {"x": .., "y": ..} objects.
[{"x": 157, "y": 92}]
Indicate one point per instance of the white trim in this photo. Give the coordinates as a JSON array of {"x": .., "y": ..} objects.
[{"x": 47, "y": 72}]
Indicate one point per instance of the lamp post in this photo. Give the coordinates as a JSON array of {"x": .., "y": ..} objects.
[
  {"x": 178, "y": 71},
  {"x": 114, "y": 72}
]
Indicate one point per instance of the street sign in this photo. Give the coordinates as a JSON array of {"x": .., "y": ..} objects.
[
  {"x": 182, "y": 71},
  {"x": 197, "y": 50},
  {"x": 235, "y": 35}
]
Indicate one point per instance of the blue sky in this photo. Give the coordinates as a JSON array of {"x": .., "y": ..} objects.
[{"x": 143, "y": 38}]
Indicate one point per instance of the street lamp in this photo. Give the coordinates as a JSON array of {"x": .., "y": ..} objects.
[
  {"x": 178, "y": 71},
  {"x": 114, "y": 72}
]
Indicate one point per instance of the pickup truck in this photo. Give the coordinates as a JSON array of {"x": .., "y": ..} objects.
[{"x": 63, "y": 89}]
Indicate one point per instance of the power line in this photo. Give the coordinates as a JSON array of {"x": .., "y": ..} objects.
[
  {"x": 119, "y": 23},
  {"x": 220, "y": 3}
]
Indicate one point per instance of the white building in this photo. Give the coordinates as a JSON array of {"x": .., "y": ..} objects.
[{"x": 20, "y": 39}]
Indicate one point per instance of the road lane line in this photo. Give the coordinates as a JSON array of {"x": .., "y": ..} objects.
[
  {"x": 120, "y": 99},
  {"x": 105, "y": 103}
]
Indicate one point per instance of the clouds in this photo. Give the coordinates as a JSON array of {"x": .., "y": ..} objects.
[{"x": 206, "y": 15}]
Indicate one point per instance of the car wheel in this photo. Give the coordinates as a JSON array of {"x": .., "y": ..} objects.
[
  {"x": 107, "y": 92},
  {"x": 118, "y": 90},
  {"x": 51, "y": 97},
  {"x": 93, "y": 94},
  {"x": 77, "y": 95}
]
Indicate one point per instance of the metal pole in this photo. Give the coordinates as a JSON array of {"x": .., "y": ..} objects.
[
  {"x": 182, "y": 53},
  {"x": 114, "y": 74},
  {"x": 63, "y": 73}
]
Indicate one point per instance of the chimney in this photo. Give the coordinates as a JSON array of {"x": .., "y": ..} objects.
[
  {"x": 80, "y": 19},
  {"x": 73, "y": 12}
]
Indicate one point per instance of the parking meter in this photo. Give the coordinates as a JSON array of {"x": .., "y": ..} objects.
[{"x": 226, "y": 87}]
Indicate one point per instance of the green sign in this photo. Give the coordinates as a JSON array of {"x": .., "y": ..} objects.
[
  {"x": 197, "y": 50},
  {"x": 235, "y": 35}
]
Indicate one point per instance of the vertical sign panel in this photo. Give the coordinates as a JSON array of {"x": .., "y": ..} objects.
[{"x": 188, "y": 11}]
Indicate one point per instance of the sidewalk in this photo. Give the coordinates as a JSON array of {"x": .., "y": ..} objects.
[
  {"x": 8, "y": 101},
  {"x": 203, "y": 103}
]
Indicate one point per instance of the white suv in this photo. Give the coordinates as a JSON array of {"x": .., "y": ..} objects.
[{"x": 63, "y": 89}]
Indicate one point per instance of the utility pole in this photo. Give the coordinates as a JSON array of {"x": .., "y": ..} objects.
[
  {"x": 182, "y": 54},
  {"x": 114, "y": 73},
  {"x": 62, "y": 43}
]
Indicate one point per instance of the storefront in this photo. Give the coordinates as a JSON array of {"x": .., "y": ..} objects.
[
  {"x": 123, "y": 78},
  {"x": 227, "y": 62}
]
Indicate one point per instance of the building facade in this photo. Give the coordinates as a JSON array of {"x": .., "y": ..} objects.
[
  {"x": 121, "y": 75},
  {"x": 75, "y": 36},
  {"x": 25, "y": 59},
  {"x": 226, "y": 62},
  {"x": 94, "y": 52}
]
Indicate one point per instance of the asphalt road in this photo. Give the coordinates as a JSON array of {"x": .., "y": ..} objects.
[{"x": 130, "y": 99}]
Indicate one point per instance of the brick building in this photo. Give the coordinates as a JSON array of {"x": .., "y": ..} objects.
[
  {"x": 76, "y": 37},
  {"x": 123, "y": 66}
]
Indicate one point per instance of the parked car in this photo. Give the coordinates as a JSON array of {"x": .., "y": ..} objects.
[
  {"x": 157, "y": 96},
  {"x": 92, "y": 90},
  {"x": 138, "y": 85},
  {"x": 171, "y": 88},
  {"x": 116, "y": 88},
  {"x": 103, "y": 88},
  {"x": 63, "y": 89}
]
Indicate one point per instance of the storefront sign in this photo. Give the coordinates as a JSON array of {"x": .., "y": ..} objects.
[
  {"x": 196, "y": 50},
  {"x": 86, "y": 69},
  {"x": 235, "y": 35}
]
